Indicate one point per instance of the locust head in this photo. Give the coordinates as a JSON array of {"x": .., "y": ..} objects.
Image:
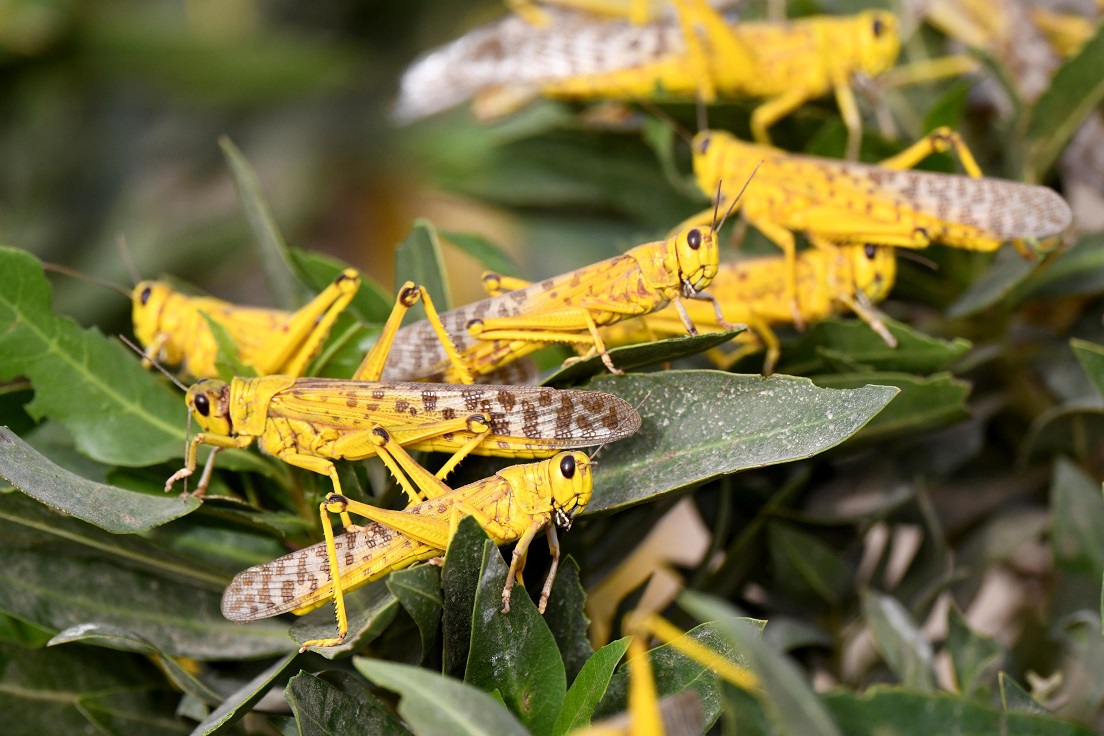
[
  {"x": 209, "y": 401},
  {"x": 698, "y": 258},
  {"x": 571, "y": 482},
  {"x": 874, "y": 270},
  {"x": 148, "y": 303},
  {"x": 878, "y": 41}
]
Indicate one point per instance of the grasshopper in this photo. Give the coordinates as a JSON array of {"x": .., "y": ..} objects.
[
  {"x": 699, "y": 53},
  {"x": 173, "y": 328},
  {"x": 568, "y": 308},
  {"x": 753, "y": 291},
  {"x": 513, "y": 506},
  {"x": 841, "y": 202}
]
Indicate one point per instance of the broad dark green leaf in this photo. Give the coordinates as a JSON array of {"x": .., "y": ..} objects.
[
  {"x": 973, "y": 655},
  {"x": 58, "y": 592},
  {"x": 114, "y": 509},
  {"x": 589, "y": 687},
  {"x": 1075, "y": 90},
  {"x": 82, "y": 690},
  {"x": 514, "y": 653},
  {"x": 1015, "y": 698},
  {"x": 459, "y": 581},
  {"x": 1078, "y": 271},
  {"x": 1091, "y": 357},
  {"x": 113, "y": 637},
  {"x": 806, "y": 567},
  {"x": 276, "y": 262},
  {"x": 118, "y": 413},
  {"x": 698, "y": 425},
  {"x": 923, "y": 402},
  {"x": 899, "y": 640},
  {"x": 566, "y": 617},
  {"x": 418, "y": 589},
  {"x": 419, "y": 259},
  {"x": 241, "y": 701},
  {"x": 789, "y": 700},
  {"x": 631, "y": 357},
  {"x": 488, "y": 254},
  {"x": 372, "y": 302},
  {"x": 1007, "y": 272},
  {"x": 433, "y": 704},
  {"x": 323, "y": 710},
  {"x": 837, "y": 341},
  {"x": 885, "y": 710},
  {"x": 370, "y": 611},
  {"x": 1078, "y": 512}
]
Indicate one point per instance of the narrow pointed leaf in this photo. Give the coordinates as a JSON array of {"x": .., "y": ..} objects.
[
  {"x": 419, "y": 259},
  {"x": 241, "y": 701},
  {"x": 900, "y": 641},
  {"x": 589, "y": 687}
]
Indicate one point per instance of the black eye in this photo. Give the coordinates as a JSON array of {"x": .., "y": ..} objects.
[
  {"x": 704, "y": 144},
  {"x": 567, "y": 466},
  {"x": 202, "y": 405},
  {"x": 879, "y": 27},
  {"x": 870, "y": 251},
  {"x": 693, "y": 239},
  {"x": 145, "y": 295}
]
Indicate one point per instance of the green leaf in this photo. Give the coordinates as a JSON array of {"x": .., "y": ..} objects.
[
  {"x": 79, "y": 690},
  {"x": 834, "y": 341},
  {"x": 321, "y": 709},
  {"x": 57, "y": 592},
  {"x": 805, "y": 566},
  {"x": 514, "y": 654},
  {"x": 459, "y": 580},
  {"x": 112, "y": 637},
  {"x": 1007, "y": 272},
  {"x": 241, "y": 701},
  {"x": 1078, "y": 513},
  {"x": 370, "y": 611},
  {"x": 1076, "y": 89},
  {"x": 900, "y": 642},
  {"x": 922, "y": 402},
  {"x": 631, "y": 357},
  {"x": 113, "y": 509},
  {"x": 118, "y": 413},
  {"x": 372, "y": 303},
  {"x": 698, "y": 425},
  {"x": 1015, "y": 699},
  {"x": 418, "y": 589},
  {"x": 276, "y": 262},
  {"x": 434, "y": 704},
  {"x": 488, "y": 254},
  {"x": 419, "y": 259},
  {"x": 1078, "y": 271},
  {"x": 227, "y": 360},
  {"x": 789, "y": 701},
  {"x": 566, "y": 617},
  {"x": 589, "y": 687},
  {"x": 973, "y": 655},
  {"x": 1091, "y": 358},
  {"x": 884, "y": 710}
]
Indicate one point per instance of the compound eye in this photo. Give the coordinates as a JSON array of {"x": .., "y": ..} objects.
[
  {"x": 202, "y": 405},
  {"x": 145, "y": 295},
  {"x": 693, "y": 239},
  {"x": 567, "y": 466},
  {"x": 870, "y": 251},
  {"x": 879, "y": 27},
  {"x": 704, "y": 145}
]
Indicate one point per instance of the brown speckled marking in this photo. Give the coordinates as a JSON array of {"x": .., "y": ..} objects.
[
  {"x": 612, "y": 421},
  {"x": 401, "y": 405},
  {"x": 287, "y": 590},
  {"x": 448, "y": 413},
  {"x": 371, "y": 408},
  {"x": 378, "y": 394},
  {"x": 471, "y": 398},
  {"x": 592, "y": 403},
  {"x": 545, "y": 398},
  {"x": 351, "y": 402},
  {"x": 429, "y": 400},
  {"x": 530, "y": 420},
  {"x": 564, "y": 414},
  {"x": 506, "y": 399}
]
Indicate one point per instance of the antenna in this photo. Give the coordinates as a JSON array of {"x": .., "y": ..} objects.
[
  {"x": 124, "y": 251},
  {"x": 736, "y": 201},
  {"x": 154, "y": 363},
  {"x": 72, "y": 272}
]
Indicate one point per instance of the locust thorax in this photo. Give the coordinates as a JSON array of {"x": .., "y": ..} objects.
[
  {"x": 697, "y": 257},
  {"x": 874, "y": 269},
  {"x": 209, "y": 401},
  {"x": 878, "y": 41},
  {"x": 571, "y": 483}
]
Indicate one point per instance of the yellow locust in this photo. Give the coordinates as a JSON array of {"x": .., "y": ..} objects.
[
  {"x": 568, "y": 308},
  {"x": 841, "y": 202},
  {"x": 173, "y": 329},
  {"x": 753, "y": 291},
  {"x": 512, "y": 506},
  {"x": 697, "y": 54}
]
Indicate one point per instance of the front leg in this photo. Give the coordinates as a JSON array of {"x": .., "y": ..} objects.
[{"x": 217, "y": 441}]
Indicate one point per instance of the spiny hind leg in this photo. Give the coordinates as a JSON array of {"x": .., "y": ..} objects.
[{"x": 289, "y": 351}]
